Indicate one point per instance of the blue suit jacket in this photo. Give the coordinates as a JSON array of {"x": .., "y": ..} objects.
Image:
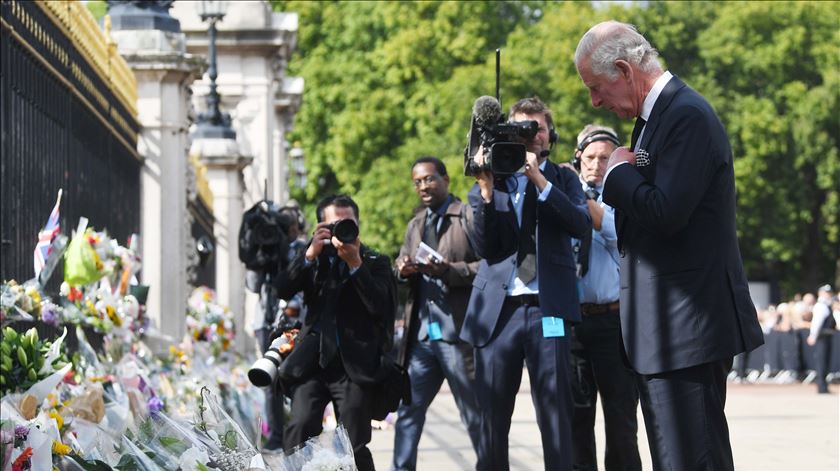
[
  {"x": 684, "y": 295},
  {"x": 495, "y": 235}
]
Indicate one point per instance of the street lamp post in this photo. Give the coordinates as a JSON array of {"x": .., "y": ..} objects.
[
  {"x": 213, "y": 123},
  {"x": 298, "y": 166}
]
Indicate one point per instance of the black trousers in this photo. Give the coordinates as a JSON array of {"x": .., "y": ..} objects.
[
  {"x": 598, "y": 369},
  {"x": 822, "y": 357},
  {"x": 352, "y": 409},
  {"x": 519, "y": 338},
  {"x": 685, "y": 420}
]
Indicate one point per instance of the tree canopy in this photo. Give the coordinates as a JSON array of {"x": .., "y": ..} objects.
[{"x": 389, "y": 82}]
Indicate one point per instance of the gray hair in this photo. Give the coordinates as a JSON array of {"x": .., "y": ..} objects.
[
  {"x": 610, "y": 41},
  {"x": 590, "y": 129}
]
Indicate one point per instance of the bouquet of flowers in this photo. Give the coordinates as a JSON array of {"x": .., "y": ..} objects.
[
  {"x": 330, "y": 451},
  {"x": 209, "y": 321},
  {"x": 26, "y": 359}
]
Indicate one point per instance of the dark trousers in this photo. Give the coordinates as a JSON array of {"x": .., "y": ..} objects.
[
  {"x": 598, "y": 368},
  {"x": 519, "y": 337},
  {"x": 822, "y": 357},
  {"x": 274, "y": 401},
  {"x": 685, "y": 420},
  {"x": 352, "y": 409},
  {"x": 428, "y": 364}
]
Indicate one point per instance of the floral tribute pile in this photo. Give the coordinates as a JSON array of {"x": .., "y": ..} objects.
[{"x": 119, "y": 406}]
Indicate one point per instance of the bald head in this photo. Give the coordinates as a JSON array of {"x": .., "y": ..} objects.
[{"x": 607, "y": 42}]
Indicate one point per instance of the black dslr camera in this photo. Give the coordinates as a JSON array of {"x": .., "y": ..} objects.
[{"x": 345, "y": 230}]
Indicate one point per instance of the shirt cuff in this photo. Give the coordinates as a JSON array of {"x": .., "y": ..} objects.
[
  {"x": 544, "y": 194},
  {"x": 604, "y": 185},
  {"x": 354, "y": 270}
]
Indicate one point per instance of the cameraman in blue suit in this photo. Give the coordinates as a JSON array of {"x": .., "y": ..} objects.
[{"x": 524, "y": 295}]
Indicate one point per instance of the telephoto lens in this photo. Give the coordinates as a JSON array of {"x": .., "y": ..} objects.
[{"x": 264, "y": 370}]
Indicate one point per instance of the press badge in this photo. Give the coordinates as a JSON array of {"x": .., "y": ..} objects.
[
  {"x": 553, "y": 327},
  {"x": 434, "y": 331}
]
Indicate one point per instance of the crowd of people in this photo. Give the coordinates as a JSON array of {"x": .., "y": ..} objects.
[
  {"x": 616, "y": 275},
  {"x": 805, "y": 328}
]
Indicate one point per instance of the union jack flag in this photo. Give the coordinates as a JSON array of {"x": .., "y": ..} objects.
[{"x": 45, "y": 237}]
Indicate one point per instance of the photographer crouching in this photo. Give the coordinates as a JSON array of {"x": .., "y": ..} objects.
[{"x": 339, "y": 356}]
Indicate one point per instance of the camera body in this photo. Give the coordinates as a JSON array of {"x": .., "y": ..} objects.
[
  {"x": 345, "y": 230},
  {"x": 503, "y": 146}
]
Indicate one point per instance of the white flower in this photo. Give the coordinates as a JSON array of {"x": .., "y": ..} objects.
[
  {"x": 327, "y": 460},
  {"x": 192, "y": 458}
]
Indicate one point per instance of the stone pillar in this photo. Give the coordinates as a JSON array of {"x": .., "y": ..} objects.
[
  {"x": 224, "y": 164},
  {"x": 164, "y": 75},
  {"x": 254, "y": 45}
]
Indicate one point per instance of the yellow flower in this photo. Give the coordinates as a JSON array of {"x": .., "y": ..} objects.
[
  {"x": 112, "y": 314},
  {"x": 58, "y": 419},
  {"x": 61, "y": 449}
]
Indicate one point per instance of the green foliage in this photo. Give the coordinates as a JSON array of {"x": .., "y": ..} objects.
[
  {"x": 389, "y": 82},
  {"x": 98, "y": 7},
  {"x": 777, "y": 75}
]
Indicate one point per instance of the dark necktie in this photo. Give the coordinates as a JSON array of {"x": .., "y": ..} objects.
[
  {"x": 430, "y": 236},
  {"x": 328, "y": 327},
  {"x": 526, "y": 258},
  {"x": 637, "y": 129}
]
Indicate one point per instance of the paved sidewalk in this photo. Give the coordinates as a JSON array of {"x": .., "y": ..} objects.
[{"x": 773, "y": 427}]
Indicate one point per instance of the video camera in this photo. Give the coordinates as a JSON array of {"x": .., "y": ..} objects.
[
  {"x": 263, "y": 237},
  {"x": 504, "y": 150}
]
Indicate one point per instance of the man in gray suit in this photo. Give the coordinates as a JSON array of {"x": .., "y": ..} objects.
[
  {"x": 439, "y": 292},
  {"x": 685, "y": 305}
]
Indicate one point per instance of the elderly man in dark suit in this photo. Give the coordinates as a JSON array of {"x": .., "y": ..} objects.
[
  {"x": 349, "y": 291},
  {"x": 685, "y": 306},
  {"x": 434, "y": 311},
  {"x": 524, "y": 295}
]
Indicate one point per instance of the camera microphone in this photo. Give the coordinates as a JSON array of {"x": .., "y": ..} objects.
[{"x": 486, "y": 111}]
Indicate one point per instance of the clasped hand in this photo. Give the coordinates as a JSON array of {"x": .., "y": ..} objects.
[{"x": 620, "y": 155}]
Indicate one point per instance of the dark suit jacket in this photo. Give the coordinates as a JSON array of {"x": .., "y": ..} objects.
[
  {"x": 364, "y": 317},
  {"x": 454, "y": 245},
  {"x": 560, "y": 217},
  {"x": 684, "y": 295}
]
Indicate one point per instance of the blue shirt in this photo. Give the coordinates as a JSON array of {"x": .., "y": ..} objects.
[
  {"x": 516, "y": 189},
  {"x": 600, "y": 285}
]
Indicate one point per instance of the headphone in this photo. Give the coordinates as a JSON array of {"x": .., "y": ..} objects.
[{"x": 594, "y": 136}]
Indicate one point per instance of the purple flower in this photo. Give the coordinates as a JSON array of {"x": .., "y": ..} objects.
[
  {"x": 21, "y": 432},
  {"x": 155, "y": 405},
  {"x": 49, "y": 314}
]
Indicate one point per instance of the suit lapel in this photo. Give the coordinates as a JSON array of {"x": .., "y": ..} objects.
[
  {"x": 662, "y": 102},
  {"x": 550, "y": 174}
]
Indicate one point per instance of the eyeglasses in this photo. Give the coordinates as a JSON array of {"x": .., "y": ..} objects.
[{"x": 428, "y": 180}]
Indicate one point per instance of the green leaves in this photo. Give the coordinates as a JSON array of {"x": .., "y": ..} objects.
[{"x": 387, "y": 82}]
